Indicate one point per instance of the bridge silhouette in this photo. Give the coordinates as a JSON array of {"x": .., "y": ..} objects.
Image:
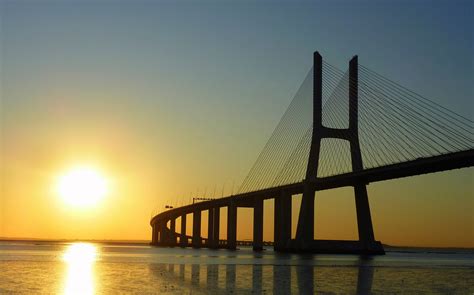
[{"x": 356, "y": 128}]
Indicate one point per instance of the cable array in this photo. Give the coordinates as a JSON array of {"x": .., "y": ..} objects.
[
  {"x": 402, "y": 125},
  {"x": 395, "y": 125},
  {"x": 284, "y": 139}
]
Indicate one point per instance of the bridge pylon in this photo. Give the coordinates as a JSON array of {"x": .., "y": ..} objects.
[{"x": 304, "y": 240}]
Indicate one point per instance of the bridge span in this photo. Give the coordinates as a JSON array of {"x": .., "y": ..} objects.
[{"x": 164, "y": 224}]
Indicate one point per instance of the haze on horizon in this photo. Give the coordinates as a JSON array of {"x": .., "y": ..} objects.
[{"x": 169, "y": 99}]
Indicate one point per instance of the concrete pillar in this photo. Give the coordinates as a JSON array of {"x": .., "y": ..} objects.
[
  {"x": 258, "y": 225},
  {"x": 153, "y": 234},
  {"x": 232, "y": 226},
  {"x": 286, "y": 217},
  {"x": 197, "y": 228},
  {"x": 164, "y": 237},
  {"x": 276, "y": 223},
  {"x": 364, "y": 220},
  {"x": 173, "y": 231},
  {"x": 305, "y": 228},
  {"x": 210, "y": 227},
  {"x": 216, "y": 227},
  {"x": 353, "y": 114},
  {"x": 183, "y": 240},
  {"x": 159, "y": 233},
  {"x": 282, "y": 221}
]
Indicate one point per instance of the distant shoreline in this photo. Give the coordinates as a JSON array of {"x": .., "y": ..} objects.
[
  {"x": 146, "y": 243},
  {"x": 48, "y": 241}
]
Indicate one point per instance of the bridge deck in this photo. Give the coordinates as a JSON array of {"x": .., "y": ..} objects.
[{"x": 420, "y": 166}]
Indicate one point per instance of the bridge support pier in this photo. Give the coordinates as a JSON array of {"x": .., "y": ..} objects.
[
  {"x": 282, "y": 222},
  {"x": 153, "y": 234},
  {"x": 210, "y": 227},
  {"x": 232, "y": 226},
  {"x": 258, "y": 225},
  {"x": 172, "y": 237},
  {"x": 305, "y": 227},
  {"x": 183, "y": 240},
  {"x": 215, "y": 236},
  {"x": 162, "y": 233},
  {"x": 197, "y": 241},
  {"x": 165, "y": 235},
  {"x": 304, "y": 236},
  {"x": 364, "y": 220}
]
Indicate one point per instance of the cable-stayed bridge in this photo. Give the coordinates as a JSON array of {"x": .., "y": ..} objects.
[{"x": 342, "y": 128}]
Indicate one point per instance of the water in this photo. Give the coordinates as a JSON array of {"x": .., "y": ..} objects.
[{"x": 85, "y": 268}]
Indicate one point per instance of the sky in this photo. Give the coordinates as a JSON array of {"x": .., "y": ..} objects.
[{"x": 171, "y": 99}]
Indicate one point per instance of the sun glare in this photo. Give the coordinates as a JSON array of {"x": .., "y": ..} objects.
[
  {"x": 82, "y": 186},
  {"x": 80, "y": 259}
]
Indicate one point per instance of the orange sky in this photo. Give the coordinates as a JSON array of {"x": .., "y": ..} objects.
[{"x": 171, "y": 101}]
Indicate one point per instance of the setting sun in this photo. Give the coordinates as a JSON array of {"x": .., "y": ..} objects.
[{"x": 82, "y": 186}]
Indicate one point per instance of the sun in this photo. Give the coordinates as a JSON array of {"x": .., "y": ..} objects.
[{"x": 82, "y": 186}]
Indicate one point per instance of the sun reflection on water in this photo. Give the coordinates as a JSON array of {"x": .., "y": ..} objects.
[{"x": 80, "y": 259}]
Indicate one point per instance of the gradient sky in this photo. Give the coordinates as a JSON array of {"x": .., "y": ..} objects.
[{"x": 173, "y": 97}]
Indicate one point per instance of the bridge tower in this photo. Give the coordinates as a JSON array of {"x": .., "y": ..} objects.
[{"x": 305, "y": 229}]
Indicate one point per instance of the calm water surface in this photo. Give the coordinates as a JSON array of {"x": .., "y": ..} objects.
[{"x": 86, "y": 268}]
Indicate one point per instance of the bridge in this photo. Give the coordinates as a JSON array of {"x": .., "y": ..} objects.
[{"x": 342, "y": 129}]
